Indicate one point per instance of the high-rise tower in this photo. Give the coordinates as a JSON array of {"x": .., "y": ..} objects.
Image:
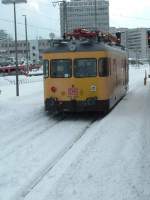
[{"x": 91, "y": 14}]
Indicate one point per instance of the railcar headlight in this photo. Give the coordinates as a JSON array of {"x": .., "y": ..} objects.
[{"x": 53, "y": 89}]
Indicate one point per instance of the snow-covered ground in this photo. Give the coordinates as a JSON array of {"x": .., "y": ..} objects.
[{"x": 53, "y": 157}]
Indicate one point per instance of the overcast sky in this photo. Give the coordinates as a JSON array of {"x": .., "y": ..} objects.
[{"x": 43, "y": 17}]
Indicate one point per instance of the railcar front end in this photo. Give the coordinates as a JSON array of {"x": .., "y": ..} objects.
[{"x": 83, "y": 81}]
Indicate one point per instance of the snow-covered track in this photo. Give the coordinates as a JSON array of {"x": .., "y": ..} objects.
[
  {"x": 34, "y": 158},
  {"x": 25, "y": 135},
  {"x": 28, "y": 188}
]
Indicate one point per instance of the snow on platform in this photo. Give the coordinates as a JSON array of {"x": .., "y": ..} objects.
[{"x": 110, "y": 161}]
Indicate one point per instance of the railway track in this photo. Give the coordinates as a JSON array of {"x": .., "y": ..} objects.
[
  {"x": 52, "y": 164},
  {"x": 40, "y": 151},
  {"x": 29, "y": 186},
  {"x": 26, "y": 135}
]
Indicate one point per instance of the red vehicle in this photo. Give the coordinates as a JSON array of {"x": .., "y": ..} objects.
[{"x": 11, "y": 69}]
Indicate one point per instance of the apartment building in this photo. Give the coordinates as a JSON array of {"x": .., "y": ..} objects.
[{"x": 91, "y": 14}]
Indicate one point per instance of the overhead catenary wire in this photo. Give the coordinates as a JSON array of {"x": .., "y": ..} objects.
[
  {"x": 135, "y": 18},
  {"x": 42, "y": 14},
  {"x": 29, "y": 25},
  {"x": 49, "y": 29}
]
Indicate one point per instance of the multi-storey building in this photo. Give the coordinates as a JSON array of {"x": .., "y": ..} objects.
[
  {"x": 3, "y": 35},
  {"x": 91, "y": 14},
  {"x": 135, "y": 41},
  {"x": 36, "y": 47}
]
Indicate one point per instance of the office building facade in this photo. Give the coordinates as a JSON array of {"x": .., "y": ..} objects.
[
  {"x": 135, "y": 41},
  {"x": 36, "y": 48},
  {"x": 3, "y": 35},
  {"x": 91, "y": 14}
]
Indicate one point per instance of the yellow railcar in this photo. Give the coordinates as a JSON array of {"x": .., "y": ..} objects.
[{"x": 84, "y": 76}]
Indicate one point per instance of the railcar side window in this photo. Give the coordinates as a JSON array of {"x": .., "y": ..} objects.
[
  {"x": 85, "y": 67},
  {"x": 103, "y": 67},
  {"x": 61, "y": 68},
  {"x": 46, "y": 68}
]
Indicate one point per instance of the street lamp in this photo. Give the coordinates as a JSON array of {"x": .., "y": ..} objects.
[
  {"x": 26, "y": 33},
  {"x": 14, "y": 2},
  {"x": 95, "y": 4},
  {"x": 64, "y": 5}
]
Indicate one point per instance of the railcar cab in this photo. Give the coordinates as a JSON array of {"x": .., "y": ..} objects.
[{"x": 57, "y": 68}]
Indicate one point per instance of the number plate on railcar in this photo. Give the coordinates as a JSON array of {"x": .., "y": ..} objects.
[{"x": 73, "y": 92}]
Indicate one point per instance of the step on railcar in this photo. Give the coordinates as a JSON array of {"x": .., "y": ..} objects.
[{"x": 88, "y": 74}]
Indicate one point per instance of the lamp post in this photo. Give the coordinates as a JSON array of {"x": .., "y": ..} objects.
[
  {"x": 95, "y": 4},
  {"x": 16, "y": 52},
  {"x": 26, "y": 33},
  {"x": 14, "y": 2},
  {"x": 64, "y": 5}
]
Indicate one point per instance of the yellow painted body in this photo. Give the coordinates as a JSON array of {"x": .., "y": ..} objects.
[{"x": 112, "y": 87}]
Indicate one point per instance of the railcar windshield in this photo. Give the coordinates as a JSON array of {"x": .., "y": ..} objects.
[
  {"x": 85, "y": 67},
  {"x": 61, "y": 68}
]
